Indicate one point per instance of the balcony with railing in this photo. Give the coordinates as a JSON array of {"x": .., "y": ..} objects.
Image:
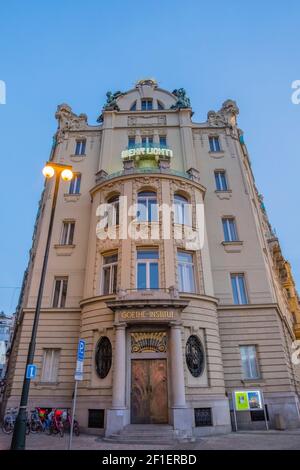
[{"x": 137, "y": 298}]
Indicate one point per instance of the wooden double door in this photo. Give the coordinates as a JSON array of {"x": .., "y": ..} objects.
[{"x": 149, "y": 391}]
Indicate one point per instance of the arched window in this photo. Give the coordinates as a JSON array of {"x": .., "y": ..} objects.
[
  {"x": 133, "y": 106},
  {"x": 113, "y": 211},
  {"x": 182, "y": 210},
  {"x": 147, "y": 207},
  {"x": 160, "y": 105}
]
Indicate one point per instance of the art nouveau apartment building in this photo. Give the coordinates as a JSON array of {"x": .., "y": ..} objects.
[{"x": 172, "y": 328}]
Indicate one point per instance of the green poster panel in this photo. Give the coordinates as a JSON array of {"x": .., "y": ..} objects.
[{"x": 241, "y": 401}]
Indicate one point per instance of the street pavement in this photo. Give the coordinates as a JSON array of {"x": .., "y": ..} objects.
[{"x": 254, "y": 440}]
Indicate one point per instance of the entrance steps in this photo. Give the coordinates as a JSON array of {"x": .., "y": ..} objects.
[{"x": 160, "y": 434}]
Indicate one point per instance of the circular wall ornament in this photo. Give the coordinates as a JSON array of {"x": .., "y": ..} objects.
[
  {"x": 194, "y": 356},
  {"x": 103, "y": 357}
]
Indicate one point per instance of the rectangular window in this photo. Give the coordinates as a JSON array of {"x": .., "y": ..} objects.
[
  {"x": 75, "y": 182},
  {"x": 60, "y": 292},
  {"x": 96, "y": 418},
  {"x": 147, "y": 141},
  {"x": 131, "y": 142},
  {"x": 50, "y": 365},
  {"x": 185, "y": 267},
  {"x": 147, "y": 105},
  {"x": 147, "y": 269},
  {"x": 229, "y": 229},
  {"x": 109, "y": 274},
  {"x": 249, "y": 362},
  {"x": 221, "y": 181},
  {"x": 67, "y": 234},
  {"x": 80, "y": 147},
  {"x": 214, "y": 144},
  {"x": 239, "y": 289},
  {"x": 163, "y": 141},
  {"x": 203, "y": 417}
]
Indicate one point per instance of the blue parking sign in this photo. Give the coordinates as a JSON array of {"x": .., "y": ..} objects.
[
  {"x": 31, "y": 371},
  {"x": 81, "y": 349}
]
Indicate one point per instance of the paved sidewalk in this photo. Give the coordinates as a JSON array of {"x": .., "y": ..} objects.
[{"x": 263, "y": 440}]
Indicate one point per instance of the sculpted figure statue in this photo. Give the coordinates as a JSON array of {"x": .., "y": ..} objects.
[
  {"x": 111, "y": 103},
  {"x": 182, "y": 99}
]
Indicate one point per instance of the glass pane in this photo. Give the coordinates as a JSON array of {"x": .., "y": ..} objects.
[
  {"x": 218, "y": 181},
  {"x": 233, "y": 235},
  {"x": 223, "y": 181},
  {"x": 114, "y": 278},
  {"x": 77, "y": 149},
  {"x": 106, "y": 280},
  {"x": 142, "y": 210},
  {"x": 64, "y": 293},
  {"x": 180, "y": 278},
  {"x": 190, "y": 284},
  {"x": 141, "y": 276},
  {"x": 225, "y": 229},
  {"x": 110, "y": 259},
  {"x": 82, "y": 147},
  {"x": 77, "y": 183},
  {"x": 152, "y": 211},
  {"x": 64, "y": 233},
  {"x": 71, "y": 234},
  {"x": 56, "y": 293},
  {"x": 147, "y": 254},
  {"x": 162, "y": 141},
  {"x": 153, "y": 275},
  {"x": 185, "y": 257},
  {"x": 242, "y": 289},
  {"x": 234, "y": 289}
]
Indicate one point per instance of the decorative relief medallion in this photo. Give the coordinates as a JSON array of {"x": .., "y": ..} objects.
[
  {"x": 152, "y": 341},
  {"x": 103, "y": 357},
  {"x": 194, "y": 355}
]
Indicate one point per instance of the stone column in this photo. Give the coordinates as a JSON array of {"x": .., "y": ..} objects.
[
  {"x": 182, "y": 414},
  {"x": 117, "y": 415},
  {"x": 178, "y": 388},
  {"x": 119, "y": 377}
]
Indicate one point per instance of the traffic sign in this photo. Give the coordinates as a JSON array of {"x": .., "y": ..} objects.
[
  {"x": 31, "y": 371},
  {"x": 81, "y": 350}
]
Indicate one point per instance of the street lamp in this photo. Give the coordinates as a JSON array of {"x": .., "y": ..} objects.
[{"x": 18, "y": 439}]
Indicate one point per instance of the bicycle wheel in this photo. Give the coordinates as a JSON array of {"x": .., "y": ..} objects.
[
  {"x": 61, "y": 429},
  {"x": 7, "y": 427},
  {"x": 35, "y": 427},
  {"x": 76, "y": 429}
]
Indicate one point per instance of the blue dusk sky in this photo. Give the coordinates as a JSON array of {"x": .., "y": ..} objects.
[{"x": 73, "y": 51}]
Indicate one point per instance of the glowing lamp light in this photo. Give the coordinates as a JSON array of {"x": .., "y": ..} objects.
[
  {"x": 67, "y": 175},
  {"x": 48, "y": 171}
]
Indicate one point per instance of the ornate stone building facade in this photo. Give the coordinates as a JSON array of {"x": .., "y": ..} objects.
[{"x": 171, "y": 330}]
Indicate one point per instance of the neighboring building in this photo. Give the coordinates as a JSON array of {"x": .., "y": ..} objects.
[
  {"x": 6, "y": 326},
  {"x": 171, "y": 328}
]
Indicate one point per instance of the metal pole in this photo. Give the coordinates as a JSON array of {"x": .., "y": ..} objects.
[
  {"x": 73, "y": 415},
  {"x": 234, "y": 411},
  {"x": 265, "y": 414},
  {"x": 19, "y": 434}
]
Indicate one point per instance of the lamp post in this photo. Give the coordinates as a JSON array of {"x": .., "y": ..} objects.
[{"x": 18, "y": 439}]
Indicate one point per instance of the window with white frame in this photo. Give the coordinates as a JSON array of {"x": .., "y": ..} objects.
[
  {"x": 185, "y": 269},
  {"x": 249, "y": 362},
  {"x": 75, "y": 183},
  {"x": 182, "y": 210},
  {"x": 147, "y": 104},
  {"x": 60, "y": 292},
  {"x": 239, "y": 289},
  {"x": 214, "y": 144},
  {"x": 80, "y": 147},
  {"x": 147, "y": 276},
  {"x": 109, "y": 273},
  {"x": 147, "y": 210},
  {"x": 221, "y": 180},
  {"x": 229, "y": 229},
  {"x": 67, "y": 234},
  {"x": 50, "y": 365}
]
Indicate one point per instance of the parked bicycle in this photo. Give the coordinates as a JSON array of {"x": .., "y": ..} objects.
[
  {"x": 10, "y": 419},
  {"x": 37, "y": 421},
  {"x": 55, "y": 422},
  {"x": 67, "y": 421}
]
